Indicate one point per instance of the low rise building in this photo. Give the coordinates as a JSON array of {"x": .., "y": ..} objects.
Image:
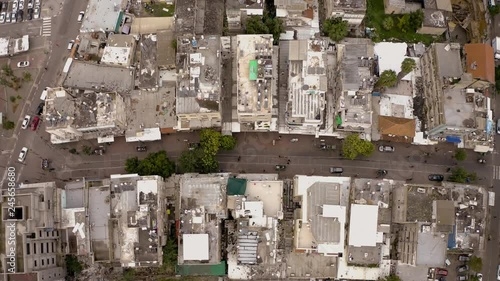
[
  {"x": 13, "y": 46},
  {"x": 75, "y": 115},
  {"x": 203, "y": 206},
  {"x": 119, "y": 50},
  {"x": 300, "y": 18},
  {"x": 307, "y": 86},
  {"x": 434, "y": 23},
  {"x": 480, "y": 62},
  {"x": 256, "y": 83},
  {"x": 351, "y": 11},
  {"x": 238, "y": 10},
  {"x": 116, "y": 220},
  {"x": 355, "y": 85},
  {"x": 33, "y": 223},
  {"x": 102, "y": 15},
  {"x": 147, "y": 68},
  {"x": 256, "y": 206},
  {"x": 198, "y": 93}
]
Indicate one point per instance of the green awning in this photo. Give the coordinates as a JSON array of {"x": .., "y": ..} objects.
[
  {"x": 253, "y": 70},
  {"x": 338, "y": 120},
  {"x": 202, "y": 269},
  {"x": 236, "y": 186},
  {"x": 118, "y": 22}
]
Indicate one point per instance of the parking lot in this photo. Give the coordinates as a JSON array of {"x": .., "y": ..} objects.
[{"x": 19, "y": 10}]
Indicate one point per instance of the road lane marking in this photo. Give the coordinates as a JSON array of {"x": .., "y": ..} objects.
[
  {"x": 46, "y": 27},
  {"x": 496, "y": 172}
]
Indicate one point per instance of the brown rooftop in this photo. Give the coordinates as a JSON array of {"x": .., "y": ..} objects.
[
  {"x": 480, "y": 61},
  {"x": 402, "y": 127}
]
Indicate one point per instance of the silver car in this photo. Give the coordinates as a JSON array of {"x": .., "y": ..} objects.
[
  {"x": 498, "y": 126},
  {"x": 22, "y": 154}
]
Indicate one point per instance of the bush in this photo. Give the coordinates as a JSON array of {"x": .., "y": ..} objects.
[
  {"x": 388, "y": 23},
  {"x": 408, "y": 65},
  {"x": 388, "y": 78},
  {"x": 354, "y": 146},
  {"x": 156, "y": 163},
  {"x": 73, "y": 266},
  {"x": 460, "y": 154},
  {"x": 7, "y": 124},
  {"x": 461, "y": 175},
  {"x": 336, "y": 28}
]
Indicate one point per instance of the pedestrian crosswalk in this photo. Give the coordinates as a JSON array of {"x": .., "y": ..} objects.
[
  {"x": 496, "y": 172},
  {"x": 46, "y": 26}
]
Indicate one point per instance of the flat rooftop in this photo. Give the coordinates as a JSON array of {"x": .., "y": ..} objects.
[
  {"x": 363, "y": 225},
  {"x": 198, "y": 75},
  {"x": 431, "y": 247},
  {"x": 88, "y": 109},
  {"x": 102, "y": 15},
  {"x": 307, "y": 80},
  {"x": 400, "y": 106},
  {"x": 357, "y": 60},
  {"x": 434, "y": 18},
  {"x": 185, "y": 20},
  {"x": 254, "y": 55},
  {"x": 87, "y": 76},
  {"x": 148, "y": 68},
  {"x": 448, "y": 59},
  {"x": 462, "y": 109},
  {"x": 269, "y": 192},
  {"x": 349, "y": 4}
]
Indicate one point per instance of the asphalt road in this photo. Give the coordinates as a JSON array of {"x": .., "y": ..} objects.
[{"x": 64, "y": 27}]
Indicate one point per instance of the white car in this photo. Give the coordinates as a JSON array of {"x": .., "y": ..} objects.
[
  {"x": 7, "y": 18},
  {"x": 26, "y": 122},
  {"x": 21, "y": 5},
  {"x": 80, "y": 16},
  {"x": 37, "y": 2},
  {"x": 30, "y": 4},
  {"x": 70, "y": 44},
  {"x": 2, "y": 17},
  {"x": 13, "y": 17},
  {"x": 14, "y": 6},
  {"x": 36, "y": 12},
  {"x": 22, "y": 154},
  {"x": 23, "y": 63}
]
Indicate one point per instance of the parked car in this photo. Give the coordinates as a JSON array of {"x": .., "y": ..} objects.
[
  {"x": 386, "y": 148},
  {"x": 34, "y": 123},
  {"x": 2, "y": 17},
  {"x": 30, "y": 4},
  {"x": 20, "y": 15},
  {"x": 37, "y": 2},
  {"x": 26, "y": 122},
  {"x": 336, "y": 170},
  {"x": 436, "y": 177},
  {"x": 22, "y": 154},
  {"x": 70, "y": 44},
  {"x": 324, "y": 146},
  {"x": 441, "y": 271},
  {"x": 30, "y": 13},
  {"x": 14, "y": 6},
  {"x": 463, "y": 268},
  {"x": 462, "y": 278},
  {"x": 498, "y": 273},
  {"x": 498, "y": 129},
  {"x": 36, "y": 12},
  {"x": 39, "y": 109},
  {"x": 141, "y": 148},
  {"x": 100, "y": 150},
  {"x": 80, "y": 16},
  {"x": 280, "y": 167},
  {"x": 45, "y": 164},
  {"x": 13, "y": 17},
  {"x": 23, "y": 63},
  {"x": 21, "y": 5},
  {"x": 479, "y": 277},
  {"x": 193, "y": 145},
  {"x": 464, "y": 258},
  {"x": 7, "y": 18},
  {"x": 381, "y": 173}
]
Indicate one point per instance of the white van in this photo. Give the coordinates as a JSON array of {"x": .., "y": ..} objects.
[
  {"x": 44, "y": 94},
  {"x": 80, "y": 16}
]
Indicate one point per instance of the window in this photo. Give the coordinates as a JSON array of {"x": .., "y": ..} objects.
[
  {"x": 35, "y": 263},
  {"x": 27, "y": 248},
  {"x": 39, "y": 233},
  {"x": 53, "y": 247},
  {"x": 34, "y": 248},
  {"x": 48, "y": 261},
  {"x": 47, "y": 247},
  {"x": 53, "y": 261},
  {"x": 43, "y": 261},
  {"x": 41, "y": 248}
]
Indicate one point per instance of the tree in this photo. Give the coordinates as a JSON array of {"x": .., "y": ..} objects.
[
  {"x": 210, "y": 141},
  {"x": 404, "y": 23},
  {"x": 392, "y": 278},
  {"x": 461, "y": 175},
  {"x": 408, "y": 65},
  {"x": 416, "y": 20},
  {"x": 227, "y": 142},
  {"x": 336, "y": 28},
  {"x": 255, "y": 25},
  {"x": 388, "y": 23},
  {"x": 131, "y": 165},
  {"x": 169, "y": 256},
  {"x": 388, "y": 78},
  {"x": 156, "y": 163},
  {"x": 73, "y": 266},
  {"x": 7, "y": 124},
  {"x": 476, "y": 264},
  {"x": 7, "y": 70},
  {"x": 26, "y": 76},
  {"x": 189, "y": 161},
  {"x": 460, "y": 154},
  {"x": 128, "y": 274},
  {"x": 354, "y": 146}
]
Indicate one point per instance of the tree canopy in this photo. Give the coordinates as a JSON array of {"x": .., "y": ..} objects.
[
  {"x": 391, "y": 277},
  {"x": 460, "y": 175},
  {"x": 335, "y": 28},
  {"x": 156, "y": 163},
  {"x": 408, "y": 65},
  {"x": 388, "y": 78},
  {"x": 267, "y": 24},
  {"x": 460, "y": 154},
  {"x": 73, "y": 266},
  {"x": 203, "y": 159},
  {"x": 388, "y": 23},
  {"x": 353, "y": 146}
]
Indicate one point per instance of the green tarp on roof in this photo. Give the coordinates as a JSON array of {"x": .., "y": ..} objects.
[
  {"x": 253, "y": 70},
  {"x": 338, "y": 120},
  {"x": 236, "y": 186},
  {"x": 202, "y": 269}
]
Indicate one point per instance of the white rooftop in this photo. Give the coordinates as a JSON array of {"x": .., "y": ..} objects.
[
  {"x": 147, "y": 186},
  {"x": 4, "y": 46},
  {"x": 116, "y": 55},
  {"x": 400, "y": 106},
  {"x": 363, "y": 225},
  {"x": 101, "y": 15},
  {"x": 390, "y": 56},
  {"x": 195, "y": 247}
]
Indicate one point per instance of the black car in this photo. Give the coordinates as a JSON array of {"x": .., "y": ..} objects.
[
  {"x": 20, "y": 14},
  {"x": 463, "y": 268},
  {"x": 30, "y": 14},
  {"x": 45, "y": 164},
  {"x": 464, "y": 258},
  {"x": 141, "y": 148},
  {"x": 436, "y": 177},
  {"x": 280, "y": 167},
  {"x": 381, "y": 173},
  {"x": 193, "y": 145},
  {"x": 99, "y": 151},
  {"x": 39, "y": 109}
]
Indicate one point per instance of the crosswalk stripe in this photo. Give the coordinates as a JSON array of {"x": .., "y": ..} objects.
[
  {"x": 46, "y": 27},
  {"x": 496, "y": 172}
]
